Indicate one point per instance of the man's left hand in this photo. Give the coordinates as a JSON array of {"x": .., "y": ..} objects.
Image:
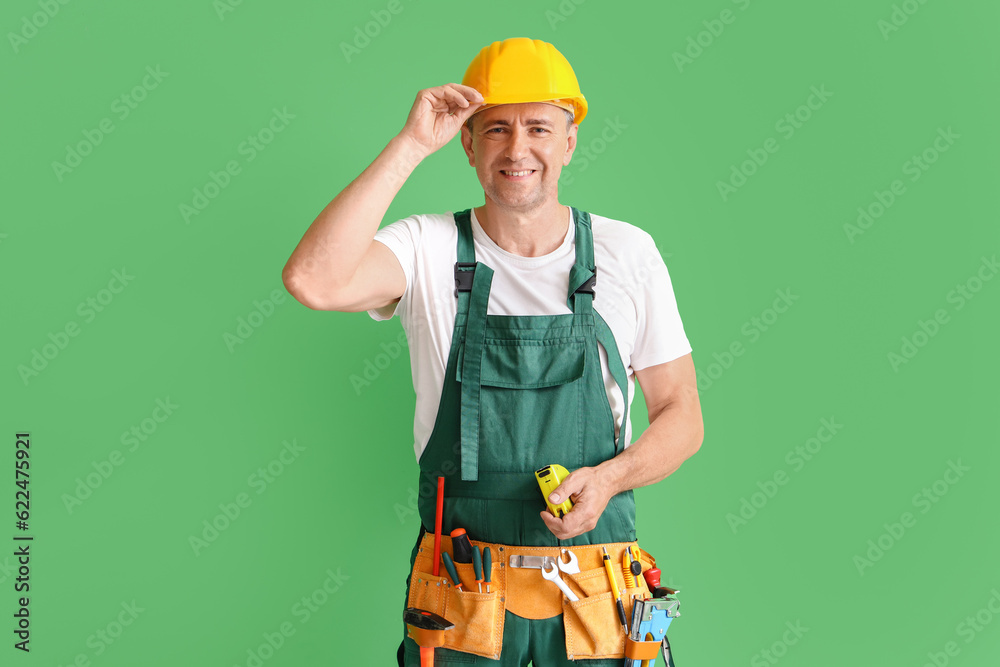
[{"x": 590, "y": 492}]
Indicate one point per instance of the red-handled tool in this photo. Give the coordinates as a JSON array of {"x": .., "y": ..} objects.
[
  {"x": 427, "y": 630},
  {"x": 437, "y": 526},
  {"x": 652, "y": 577}
]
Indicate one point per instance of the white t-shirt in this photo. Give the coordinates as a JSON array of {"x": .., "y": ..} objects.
[{"x": 633, "y": 294}]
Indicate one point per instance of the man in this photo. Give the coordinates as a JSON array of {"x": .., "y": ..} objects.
[{"x": 524, "y": 354}]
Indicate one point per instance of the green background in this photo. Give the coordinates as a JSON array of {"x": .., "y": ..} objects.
[{"x": 343, "y": 504}]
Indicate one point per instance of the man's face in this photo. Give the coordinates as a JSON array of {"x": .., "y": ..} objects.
[{"x": 519, "y": 151}]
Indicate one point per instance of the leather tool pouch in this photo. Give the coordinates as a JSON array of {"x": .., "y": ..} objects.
[
  {"x": 593, "y": 629},
  {"x": 478, "y": 617}
]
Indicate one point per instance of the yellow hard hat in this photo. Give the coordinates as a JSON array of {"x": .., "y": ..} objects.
[{"x": 519, "y": 70}]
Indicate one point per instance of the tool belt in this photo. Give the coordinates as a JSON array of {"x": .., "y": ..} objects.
[{"x": 593, "y": 628}]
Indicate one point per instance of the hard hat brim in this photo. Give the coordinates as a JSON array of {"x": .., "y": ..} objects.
[{"x": 568, "y": 105}]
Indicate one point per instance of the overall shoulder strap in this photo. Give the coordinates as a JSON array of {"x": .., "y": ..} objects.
[
  {"x": 583, "y": 275},
  {"x": 582, "y": 282},
  {"x": 466, "y": 265},
  {"x": 472, "y": 287}
]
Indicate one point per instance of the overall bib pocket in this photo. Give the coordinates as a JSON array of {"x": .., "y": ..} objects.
[{"x": 529, "y": 364}]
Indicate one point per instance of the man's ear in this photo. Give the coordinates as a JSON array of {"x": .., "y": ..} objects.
[
  {"x": 467, "y": 145},
  {"x": 570, "y": 143}
]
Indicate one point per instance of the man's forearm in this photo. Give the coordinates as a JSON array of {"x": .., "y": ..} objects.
[
  {"x": 672, "y": 437},
  {"x": 332, "y": 248}
]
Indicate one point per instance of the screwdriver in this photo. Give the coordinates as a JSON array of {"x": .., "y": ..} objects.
[
  {"x": 477, "y": 567},
  {"x": 461, "y": 546},
  {"x": 450, "y": 565},
  {"x": 487, "y": 566}
]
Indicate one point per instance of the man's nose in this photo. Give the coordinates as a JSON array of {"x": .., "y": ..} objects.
[{"x": 517, "y": 146}]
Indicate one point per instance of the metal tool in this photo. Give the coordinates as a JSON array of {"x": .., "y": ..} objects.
[
  {"x": 652, "y": 577},
  {"x": 532, "y": 562},
  {"x": 450, "y": 565},
  {"x": 427, "y": 630},
  {"x": 461, "y": 546},
  {"x": 571, "y": 566},
  {"x": 552, "y": 574},
  {"x": 477, "y": 567},
  {"x": 487, "y": 566},
  {"x": 650, "y": 620}
]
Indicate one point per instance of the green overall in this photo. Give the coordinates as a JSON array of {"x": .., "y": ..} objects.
[{"x": 521, "y": 392}]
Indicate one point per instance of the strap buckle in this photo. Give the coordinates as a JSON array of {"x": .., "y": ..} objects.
[
  {"x": 588, "y": 286},
  {"x": 464, "y": 272}
]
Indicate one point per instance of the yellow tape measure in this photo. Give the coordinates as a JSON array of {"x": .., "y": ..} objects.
[{"x": 549, "y": 478}]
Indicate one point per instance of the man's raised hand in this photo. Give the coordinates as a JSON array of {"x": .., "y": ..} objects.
[{"x": 438, "y": 115}]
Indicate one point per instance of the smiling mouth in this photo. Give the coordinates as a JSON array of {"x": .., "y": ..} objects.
[{"x": 517, "y": 174}]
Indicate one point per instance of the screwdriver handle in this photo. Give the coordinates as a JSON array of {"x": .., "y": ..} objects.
[
  {"x": 477, "y": 567},
  {"x": 487, "y": 566},
  {"x": 461, "y": 547},
  {"x": 450, "y": 566}
]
